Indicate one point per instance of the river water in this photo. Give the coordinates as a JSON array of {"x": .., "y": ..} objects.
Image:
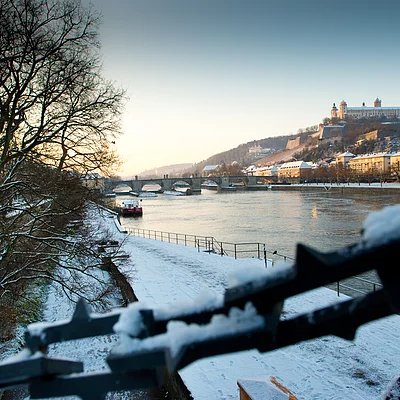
[{"x": 280, "y": 219}]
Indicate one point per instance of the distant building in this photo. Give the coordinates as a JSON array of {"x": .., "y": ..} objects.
[
  {"x": 294, "y": 169},
  {"x": 395, "y": 162},
  {"x": 258, "y": 151},
  {"x": 344, "y": 158},
  {"x": 209, "y": 170},
  {"x": 271, "y": 170},
  {"x": 369, "y": 163},
  {"x": 93, "y": 181},
  {"x": 377, "y": 111}
]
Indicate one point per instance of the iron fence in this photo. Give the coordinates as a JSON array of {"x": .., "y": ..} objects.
[
  {"x": 212, "y": 245},
  {"x": 352, "y": 287}
]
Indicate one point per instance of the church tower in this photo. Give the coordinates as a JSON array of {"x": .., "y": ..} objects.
[
  {"x": 342, "y": 109},
  {"x": 334, "y": 111},
  {"x": 377, "y": 102}
]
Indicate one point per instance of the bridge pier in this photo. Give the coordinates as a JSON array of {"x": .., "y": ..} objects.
[
  {"x": 196, "y": 186},
  {"x": 136, "y": 186}
]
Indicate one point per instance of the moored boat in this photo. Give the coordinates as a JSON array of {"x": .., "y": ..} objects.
[
  {"x": 174, "y": 193},
  {"x": 130, "y": 207}
]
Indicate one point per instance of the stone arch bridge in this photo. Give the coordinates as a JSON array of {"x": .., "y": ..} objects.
[{"x": 223, "y": 182}]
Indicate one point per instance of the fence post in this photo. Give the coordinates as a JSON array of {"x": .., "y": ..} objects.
[
  {"x": 198, "y": 245},
  {"x": 235, "y": 252},
  {"x": 258, "y": 250},
  {"x": 265, "y": 256},
  {"x": 338, "y": 288},
  {"x": 222, "y": 250},
  {"x": 185, "y": 241}
]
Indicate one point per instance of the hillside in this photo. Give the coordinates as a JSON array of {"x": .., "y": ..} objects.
[
  {"x": 241, "y": 153},
  {"x": 310, "y": 149},
  {"x": 171, "y": 170}
]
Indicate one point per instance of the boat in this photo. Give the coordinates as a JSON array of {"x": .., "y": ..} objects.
[
  {"x": 130, "y": 207},
  {"x": 148, "y": 194},
  {"x": 174, "y": 193},
  {"x": 210, "y": 185}
]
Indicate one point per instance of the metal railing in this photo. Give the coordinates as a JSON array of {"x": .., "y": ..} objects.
[
  {"x": 357, "y": 285},
  {"x": 212, "y": 245}
]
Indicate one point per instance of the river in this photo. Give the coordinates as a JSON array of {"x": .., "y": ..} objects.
[{"x": 280, "y": 219}]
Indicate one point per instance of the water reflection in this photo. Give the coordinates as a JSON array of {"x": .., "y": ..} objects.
[{"x": 314, "y": 213}]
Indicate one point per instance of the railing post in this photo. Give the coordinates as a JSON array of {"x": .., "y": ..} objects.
[
  {"x": 222, "y": 250},
  {"x": 169, "y": 238},
  {"x": 265, "y": 256},
  {"x": 258, "y": 250},
  {"x": 338, "y": 288},
  {"x": 235, "y": 252},
  {"x": 176, "y": 238},
  {"x": 185, "y": 241},
  {"x": 198, "y": 246}
]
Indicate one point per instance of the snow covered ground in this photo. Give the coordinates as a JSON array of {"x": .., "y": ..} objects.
[{"x": 326, "y": 368}]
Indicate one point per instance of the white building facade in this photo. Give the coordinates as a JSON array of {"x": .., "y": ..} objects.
[{"x": 377, "y": 111}]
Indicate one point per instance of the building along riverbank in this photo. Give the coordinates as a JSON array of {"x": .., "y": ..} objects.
[{"x": 369, "y": 189}]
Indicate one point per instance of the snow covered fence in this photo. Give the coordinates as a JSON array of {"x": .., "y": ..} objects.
[{"x": 210, "y": 245}]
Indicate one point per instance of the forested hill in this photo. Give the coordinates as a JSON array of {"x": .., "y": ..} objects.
[{"x": 241, "y": 153}]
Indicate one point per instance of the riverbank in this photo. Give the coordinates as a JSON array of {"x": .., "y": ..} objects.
[
  {"x": 163, "y": 273},
  {"x": 375, "y": 188}
]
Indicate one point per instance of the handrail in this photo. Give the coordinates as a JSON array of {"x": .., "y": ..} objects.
[
  {"x": 235, "y": 250},
  {"x": 210, "y": 243}
]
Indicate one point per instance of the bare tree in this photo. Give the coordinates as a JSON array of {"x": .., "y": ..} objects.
[
  {"x": 58, "y": 119},
  {"x": 54, "y": 103}
]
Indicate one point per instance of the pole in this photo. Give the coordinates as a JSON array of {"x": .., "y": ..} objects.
[{"x": 265, "y": 256}]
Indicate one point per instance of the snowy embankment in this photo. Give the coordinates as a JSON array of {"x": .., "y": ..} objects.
[{"x": 326, "y": 368}]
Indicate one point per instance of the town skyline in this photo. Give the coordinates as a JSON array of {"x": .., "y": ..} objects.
[{"x": 204, "y": 77}]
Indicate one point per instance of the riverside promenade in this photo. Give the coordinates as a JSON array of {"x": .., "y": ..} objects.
[{"x": 368, "y": 189}]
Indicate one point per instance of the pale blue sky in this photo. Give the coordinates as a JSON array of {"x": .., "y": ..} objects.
[{"x": 204, "y": 76}]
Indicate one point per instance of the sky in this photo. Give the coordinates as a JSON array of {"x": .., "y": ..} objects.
[
  {"x": 204, "y": 76},
  {"x": 167, "y": 277}
]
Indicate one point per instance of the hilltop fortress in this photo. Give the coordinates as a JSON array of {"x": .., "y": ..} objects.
[{"x": 377, "y": 111}]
